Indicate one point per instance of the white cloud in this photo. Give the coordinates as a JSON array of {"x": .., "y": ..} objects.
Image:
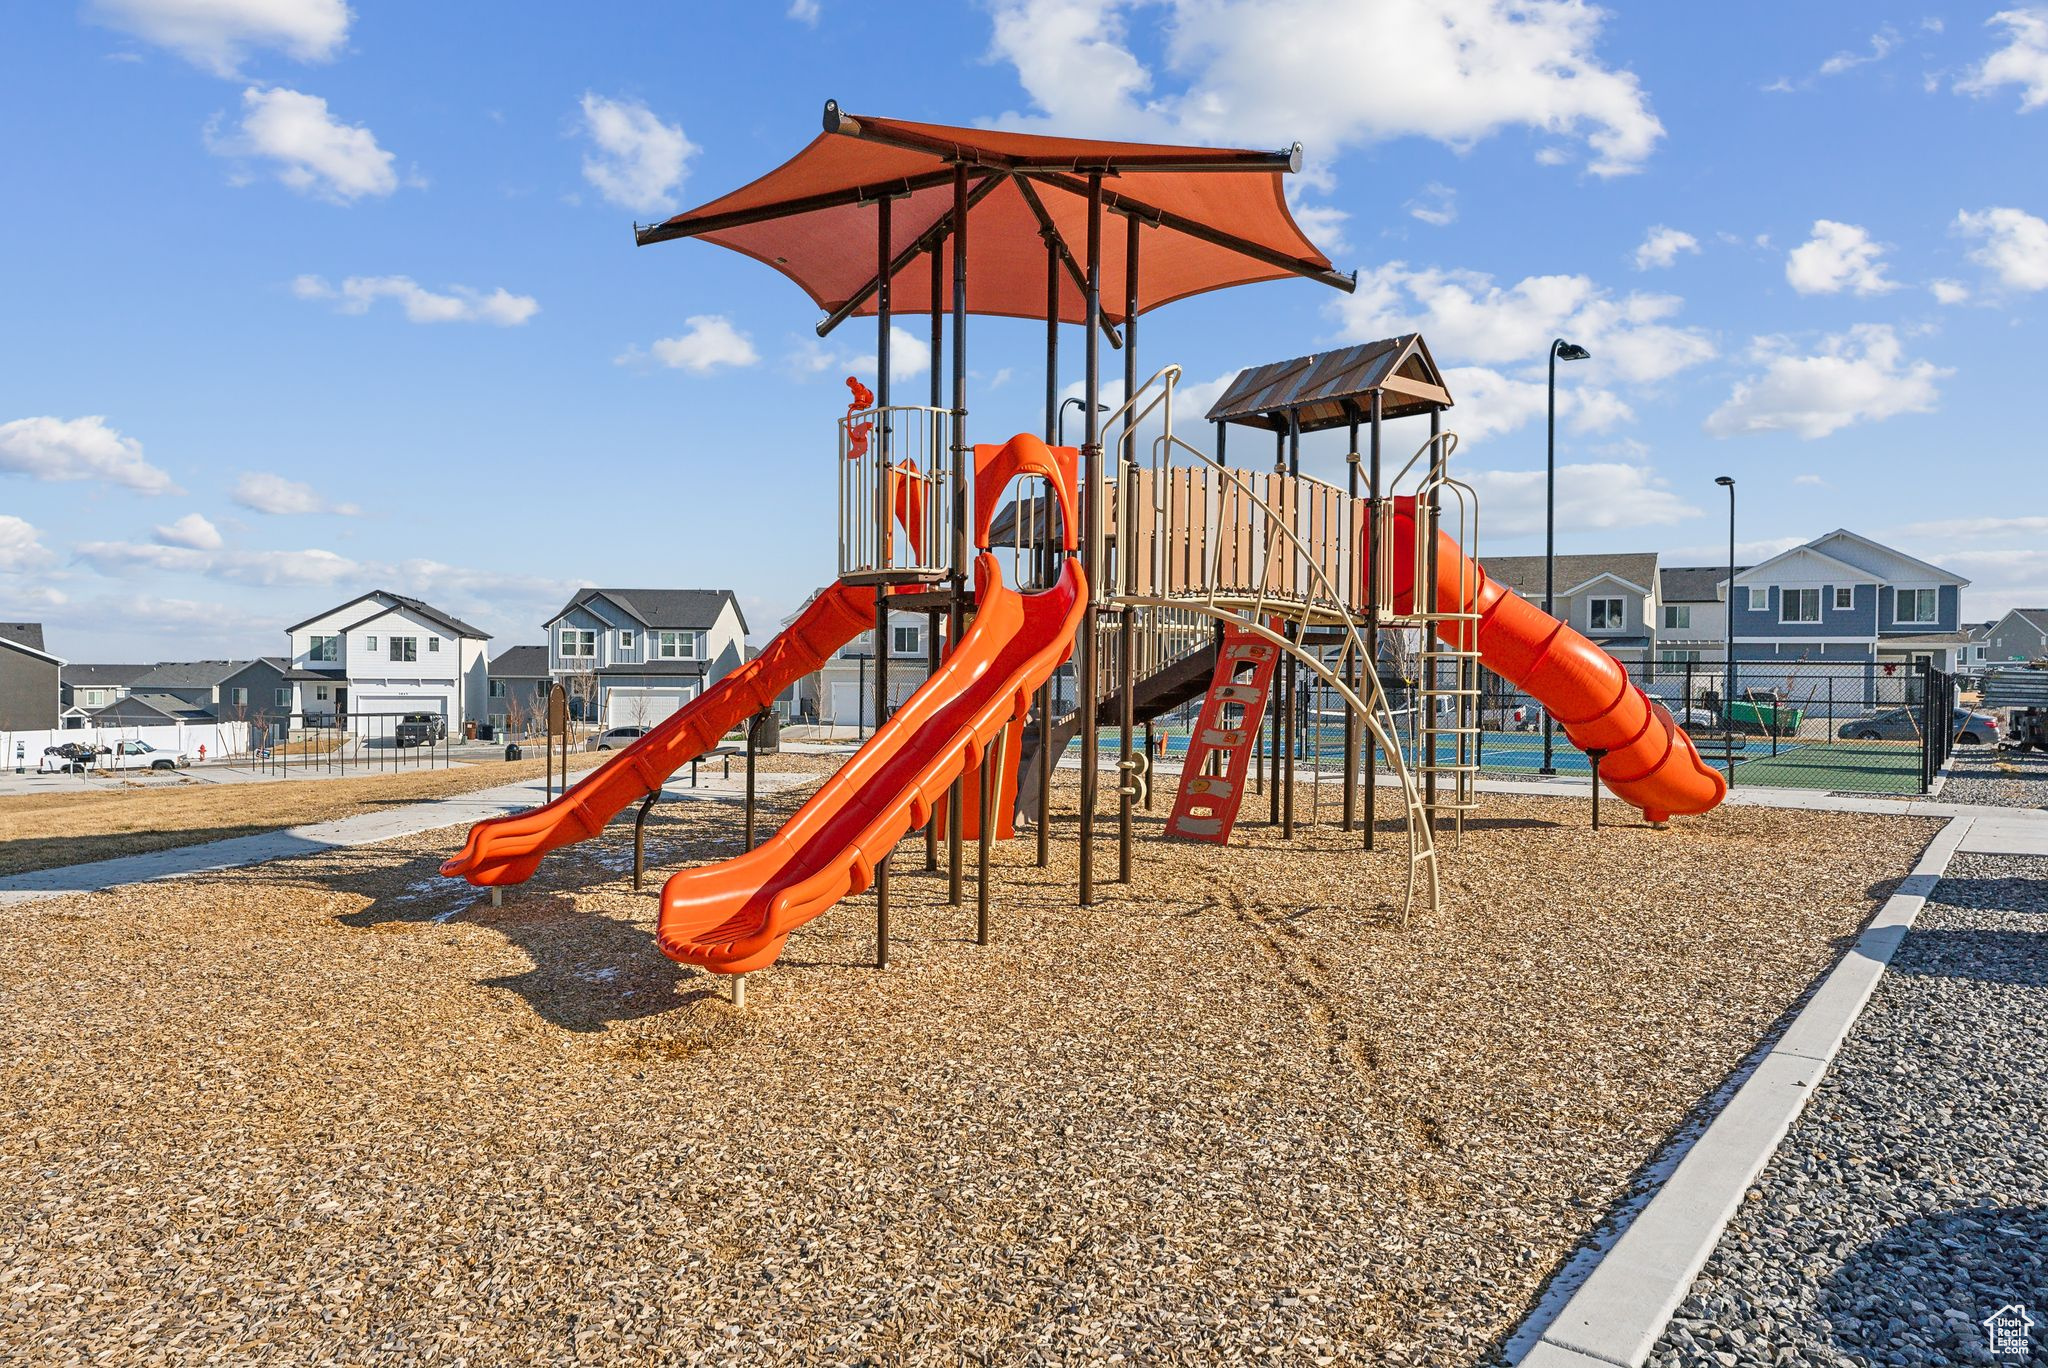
[
  {"x": 2022, "y": 62},
  {"x": 218, "y": 34},
  {"x": 78, "y": 449},
  {"x": 1860, "y": 376},
  {"x": 1333, "y": 73},
  {"x": 1949, "y": 291},
  {"x": 192, "y": 531},
  {"x": 267, "y": 493},
  {"x": 1591, "y": 497},
  {"x": 20, "y": 548},
  {"x": 1490, "y": 403},
  {"x": 261, "y": 568},
  {"x": 1437, "y": 204},
  {"x": 315, "y": 154},
  {"x": 1839, "y": 256},
  {"x": 1469, "y": 319},
  {"x": 639, "y": 162},
  {"x": 804, "y": 11},
  {"x": 2015, "y": 246},
  {"x": 461, "y": 304},
  {"x": 707, "y": 342},
  {"x": 1662, "y": 246}
]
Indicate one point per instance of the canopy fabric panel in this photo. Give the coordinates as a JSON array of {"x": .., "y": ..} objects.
[{"x": 1214, "y": 217}]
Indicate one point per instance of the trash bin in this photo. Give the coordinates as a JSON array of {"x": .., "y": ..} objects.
[{"x": 512, "y": 751}]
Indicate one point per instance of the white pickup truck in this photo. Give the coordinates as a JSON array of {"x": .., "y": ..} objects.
[{"x": 140, "y": 755}]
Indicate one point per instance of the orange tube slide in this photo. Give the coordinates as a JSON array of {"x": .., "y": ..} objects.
[
  {"x": 506, "y": 850},
  {"x": 1650, "y": 762},
  {"x": 736, "y": 916}
]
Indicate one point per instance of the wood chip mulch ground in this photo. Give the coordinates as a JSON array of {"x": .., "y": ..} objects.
[{"x": 336, "y": 1109}]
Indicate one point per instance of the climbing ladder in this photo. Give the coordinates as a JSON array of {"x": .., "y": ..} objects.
[{"x": 1212, "y": 776}]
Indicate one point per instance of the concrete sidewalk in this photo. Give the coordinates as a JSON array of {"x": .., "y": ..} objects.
[{"x": 367, "y": 828}]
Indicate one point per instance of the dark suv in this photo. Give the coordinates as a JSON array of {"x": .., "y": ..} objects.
[{"x": 421, "y": 729}]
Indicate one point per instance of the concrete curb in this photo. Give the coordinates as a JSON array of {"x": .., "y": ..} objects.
[{"x": 1617, "y": 1314}]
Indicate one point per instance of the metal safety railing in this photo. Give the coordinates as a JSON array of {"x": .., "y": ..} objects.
[{"x": 896, "y": 496}]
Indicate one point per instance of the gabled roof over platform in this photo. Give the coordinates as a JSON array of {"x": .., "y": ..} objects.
[{"x": 1331, "y": 389}]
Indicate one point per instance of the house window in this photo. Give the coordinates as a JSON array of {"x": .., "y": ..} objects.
[
  {"x": 1799, "y": 605},
  {"x": 578, "y": 643},
  {"x": 904, "y": 640},
  {"x": 1845, "y": 597},
  {"x": 625, "y": 639},
  {"x": 281, "y": 696},
  {"x": 1914, "y": 605},
  {"x": 1607, "y": 614},
  {"x": 405, "y": 648},
  {"x": 679, "y": 645},
  {"x": 433, "y": 645},
  {"x": 239, "y": 697},
  {"x": 327, "y": 648},
  {"x": 1678, "y": 616},
  {"x": 1759, "y": 598}
]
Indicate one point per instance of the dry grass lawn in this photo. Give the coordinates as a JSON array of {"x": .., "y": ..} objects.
[
  {"x": 336, "y": 1109},
  {"x": 46, "y": 830}
]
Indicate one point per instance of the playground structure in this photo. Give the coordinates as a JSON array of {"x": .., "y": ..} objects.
[{"x": 1164, "y": 572}]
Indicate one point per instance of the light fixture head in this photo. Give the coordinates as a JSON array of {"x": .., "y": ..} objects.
[{"x": 1571, "y": 351}]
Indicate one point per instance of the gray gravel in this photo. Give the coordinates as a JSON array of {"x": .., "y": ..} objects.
[
  {"x": 1910, "y": 1200},
  {"x": 1979, "y": 774}
]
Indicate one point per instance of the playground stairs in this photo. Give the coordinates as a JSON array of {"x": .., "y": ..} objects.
[
  {"x": 1180, "y": 682},
  {"x": 1219, "y": 752}
]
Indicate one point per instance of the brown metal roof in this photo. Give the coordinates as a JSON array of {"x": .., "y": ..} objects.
[
  {"x": 1331, "y": 389},
  {"x": 1220, "y": 217}
]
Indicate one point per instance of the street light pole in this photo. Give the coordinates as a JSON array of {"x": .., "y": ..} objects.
[
  {"x": 1728, "y": 665},
  {"x": 1560, "y": 350}
]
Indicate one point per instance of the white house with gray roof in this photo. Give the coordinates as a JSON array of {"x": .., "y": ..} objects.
[
  {"x": 386, "y": 654},
  {"x": 632, "y": 657}
]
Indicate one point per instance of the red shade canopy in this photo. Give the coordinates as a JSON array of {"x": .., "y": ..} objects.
[{"x": 1219, "y": 216}]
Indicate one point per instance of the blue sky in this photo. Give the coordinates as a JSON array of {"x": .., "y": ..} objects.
[{"x": 307, "y": 298}]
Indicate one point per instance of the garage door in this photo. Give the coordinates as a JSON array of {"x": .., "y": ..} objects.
[
  {"x": 369, "y": 703},
  {"x": 637, "y": 706}
]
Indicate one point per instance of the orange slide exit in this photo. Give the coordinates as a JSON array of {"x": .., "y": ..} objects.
[
  {"x": 1650, "y": 762},
  {"x": 734, "y": 917},
  {"x": 506, "y": 850}
]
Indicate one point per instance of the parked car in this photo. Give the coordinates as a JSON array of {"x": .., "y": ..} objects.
[
  {"x": 140, "y": 755},
  {"x": 1903, "y": 724},
  {"x": 421, "y": 729},
  {"x": 69, "y": 757},
  {"x": 617, "y": 738}
]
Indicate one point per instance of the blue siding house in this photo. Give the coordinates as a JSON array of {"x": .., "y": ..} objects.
[{"x": 1843, "y": 597}]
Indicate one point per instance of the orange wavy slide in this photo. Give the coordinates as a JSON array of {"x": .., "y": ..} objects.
[
  {"x": 735, "y": 917},
  {"x": 1650, "y": 763},
  {"x": 506, "y": 850}
]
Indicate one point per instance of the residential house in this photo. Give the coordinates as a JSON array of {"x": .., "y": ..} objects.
[
  {"x": 842, "y": 691},
  {"x": 31, "y": 679},
  {"x": 519, "y": 687},
  {"x": 1692, "y": 613},
  {"x": 1973, "y": 657},
  {"x": 1844, "y": 597},
  {"x": 2021, "y": 635},
  {"x": 631, "y": 657},
  {"x": 1614, "y": 598},
  {"x": 382, "y": 655},
  {"x": 88, "y": 688}
]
